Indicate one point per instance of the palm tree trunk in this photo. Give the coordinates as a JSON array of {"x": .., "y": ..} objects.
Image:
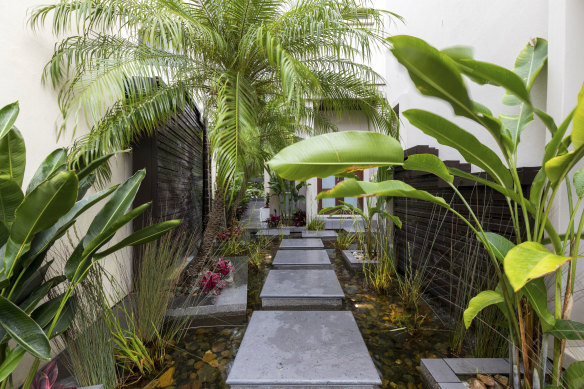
[
  {"x": 236, "y": 204},
  {"x": 211, "y": 230}
]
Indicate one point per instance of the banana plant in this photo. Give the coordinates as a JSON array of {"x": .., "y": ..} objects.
[
  {"x": 32, "y": 219},
  {"x": 370, "y": 246},
  {"x": 519, "y": 265}
]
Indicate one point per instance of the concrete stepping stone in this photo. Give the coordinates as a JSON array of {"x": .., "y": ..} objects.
[
  {"x": 303, "y": 349},
  {"x": 302, "y": 259},
  {"x": 319, "y": 234},
  {"x": 273, "y": 232},
  {"x": 299, "y": 244},
  {"x": 302, "y": 289}
]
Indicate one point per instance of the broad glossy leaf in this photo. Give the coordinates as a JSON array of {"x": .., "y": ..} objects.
[
  {"x": 536, "y": 293},
  {"x": 528, "y": 261},
  {"x": 574, "y": 375},
  {"x": 11, "y": 362},
  {"x": 459, "y": 52},
  {"x": 579, "y": 182},
  {"x": 433, "y": 73},
  {"x": 52, "y": 163},
  {"x": 13, "y": 155},
  {"x": 488, "y": 73},
  {"x": 578, "y": 129},
  {"x": 79, "y": 261},
  {"x": 117, "y": 205},
  {"x": 142, "y": 236},
  {"x": 10, "y": 198},
  {"x": 428, "y": 163},
  {"x": 39, "y": 293},
  {"x": 331, "y": 154},
  {"x": 24, "y": 330},
  {"x": 392, "y": 188},
  {"x": 515, "y": 124},
  {"x": 480, "y": 302},
  {"x": 558, "y": 167},
  {"x": 39, "y": 210},
  {"x": 8, "y": 115},
  {"x": 528, "y": 65},
  {"x": 449, "y": 134},
  {"x": 46, "y": 313},
  {"x": 44, "y": 239},
  {"x": 499, "y": 245},
  {"x": 568, "y": 329}
]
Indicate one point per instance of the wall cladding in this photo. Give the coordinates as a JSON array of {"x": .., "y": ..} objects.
[
  {"x": 431, "y": 234},
  {"x": 176, "y": 162}
]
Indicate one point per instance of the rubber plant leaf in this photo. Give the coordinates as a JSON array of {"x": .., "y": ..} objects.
[{"x": 332, "y": 154}]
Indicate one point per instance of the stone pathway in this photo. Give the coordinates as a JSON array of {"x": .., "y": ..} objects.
[{"x": 304, "y": 349}]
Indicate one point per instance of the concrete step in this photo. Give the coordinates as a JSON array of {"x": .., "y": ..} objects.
[
  {"x": 301, "y": 259},
  {"x": 302, "y": 289},
  {"x": 301, "y": 244},
  {"x": 330, "y": 235},
  {"x": 303, "y": 349},
  {"x": 273, "y": 232}
]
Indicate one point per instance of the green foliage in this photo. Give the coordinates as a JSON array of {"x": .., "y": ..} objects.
[
  {"x": 31, "y": 222},
  {"x": 315, "y": 224},
  {"x": 442, "y": 75},
  {"x": 263, "y": 70},
  {"x": 344, "y": 240}
]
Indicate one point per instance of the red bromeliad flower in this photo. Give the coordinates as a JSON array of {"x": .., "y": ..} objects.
[
  {"x": 46, "y": 378},
  {"x": 212, "y": 282},
  {"x": 223, "y": 267},
  {"x": 232, "y": 232}
]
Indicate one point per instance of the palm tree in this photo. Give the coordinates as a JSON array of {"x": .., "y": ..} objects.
[{"x": 263, "y": 70}]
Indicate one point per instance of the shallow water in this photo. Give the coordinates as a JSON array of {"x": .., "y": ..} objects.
[{"x": 204, "y": 356}]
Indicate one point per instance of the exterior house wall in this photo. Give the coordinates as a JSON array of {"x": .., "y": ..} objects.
[{"x": 24, "y": 56}]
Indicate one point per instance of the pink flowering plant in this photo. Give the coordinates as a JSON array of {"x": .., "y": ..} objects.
[
  {"x": 47, "y": 377},
  {"x": 212, "y": 282},
  {"x": 223, "y": 268}
]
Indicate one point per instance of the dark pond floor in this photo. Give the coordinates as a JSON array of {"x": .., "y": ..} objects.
[{"x": 204, "y": 356}]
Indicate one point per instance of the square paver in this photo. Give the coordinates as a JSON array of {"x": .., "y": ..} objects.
[
  {"x": 354, "y": 263},
  {"x": 273, "y": 232},
  {"x": 305, "y": 289},
  {"x": 312, "y": 349},
  {"x": 299, "y": 244},
  {"x": 302, "y": 259},
  {"x": 319, "y": 234},
  {"x": 469, "y": 366}
]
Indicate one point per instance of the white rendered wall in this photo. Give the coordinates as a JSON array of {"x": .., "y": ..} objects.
[
  {"x": 23, "y": 59},
  {"x": 497, "y": 30}
]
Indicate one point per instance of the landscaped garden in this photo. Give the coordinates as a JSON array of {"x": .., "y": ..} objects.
[{"x": 256, "y": 239}]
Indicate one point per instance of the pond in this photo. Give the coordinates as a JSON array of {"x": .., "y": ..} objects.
[{"x": 204, "y": 356}]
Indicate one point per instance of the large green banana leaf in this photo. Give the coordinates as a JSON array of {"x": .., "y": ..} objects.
[
  {"x": 8, "y": 115},
  {"x": 13, "y": 155},
  {"x": 326, "y": 155}
]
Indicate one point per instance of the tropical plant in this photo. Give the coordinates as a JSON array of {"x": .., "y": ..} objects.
[
  {"x": 287, "y": 193},
  {"x": 264, "y": 70},
  {"x": 371, "y": 250},
  {"x": 31, "y": 220},
  {"x": 212, "y": 282},
  {"x": 222, "y": 267},
  {"x": 521, "y": 265},
  {"x": 47, "y": 377},
  {"x": 315, "y": 224},
  {"x": 257, "y": 252},
  {"x": 344, "y": 240}
]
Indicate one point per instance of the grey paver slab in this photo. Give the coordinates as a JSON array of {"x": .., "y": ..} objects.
[
  {"x": 353, "y": 263},
  {"x": 309, "y": 349},
  {"x": 319, "y": 234},
  {"x": 273, "y": 232},
  {"x": 305, "y": 243},
  {"x": 306, "y": 259},
  {"x": 473, "y": 365}
]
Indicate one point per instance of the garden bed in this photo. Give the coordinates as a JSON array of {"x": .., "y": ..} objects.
[
  {"x": 353, "y": 263},
  {"x": 228, "y": 308}
]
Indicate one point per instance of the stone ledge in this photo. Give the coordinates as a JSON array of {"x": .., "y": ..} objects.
[
  {"x": 443, "y": 373},
  {"x": 324, "y": 234},
  {"x": 352, "y": 262},
  {"x": 227, "y": 308},
  {"x": 302, "y": 259}
]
